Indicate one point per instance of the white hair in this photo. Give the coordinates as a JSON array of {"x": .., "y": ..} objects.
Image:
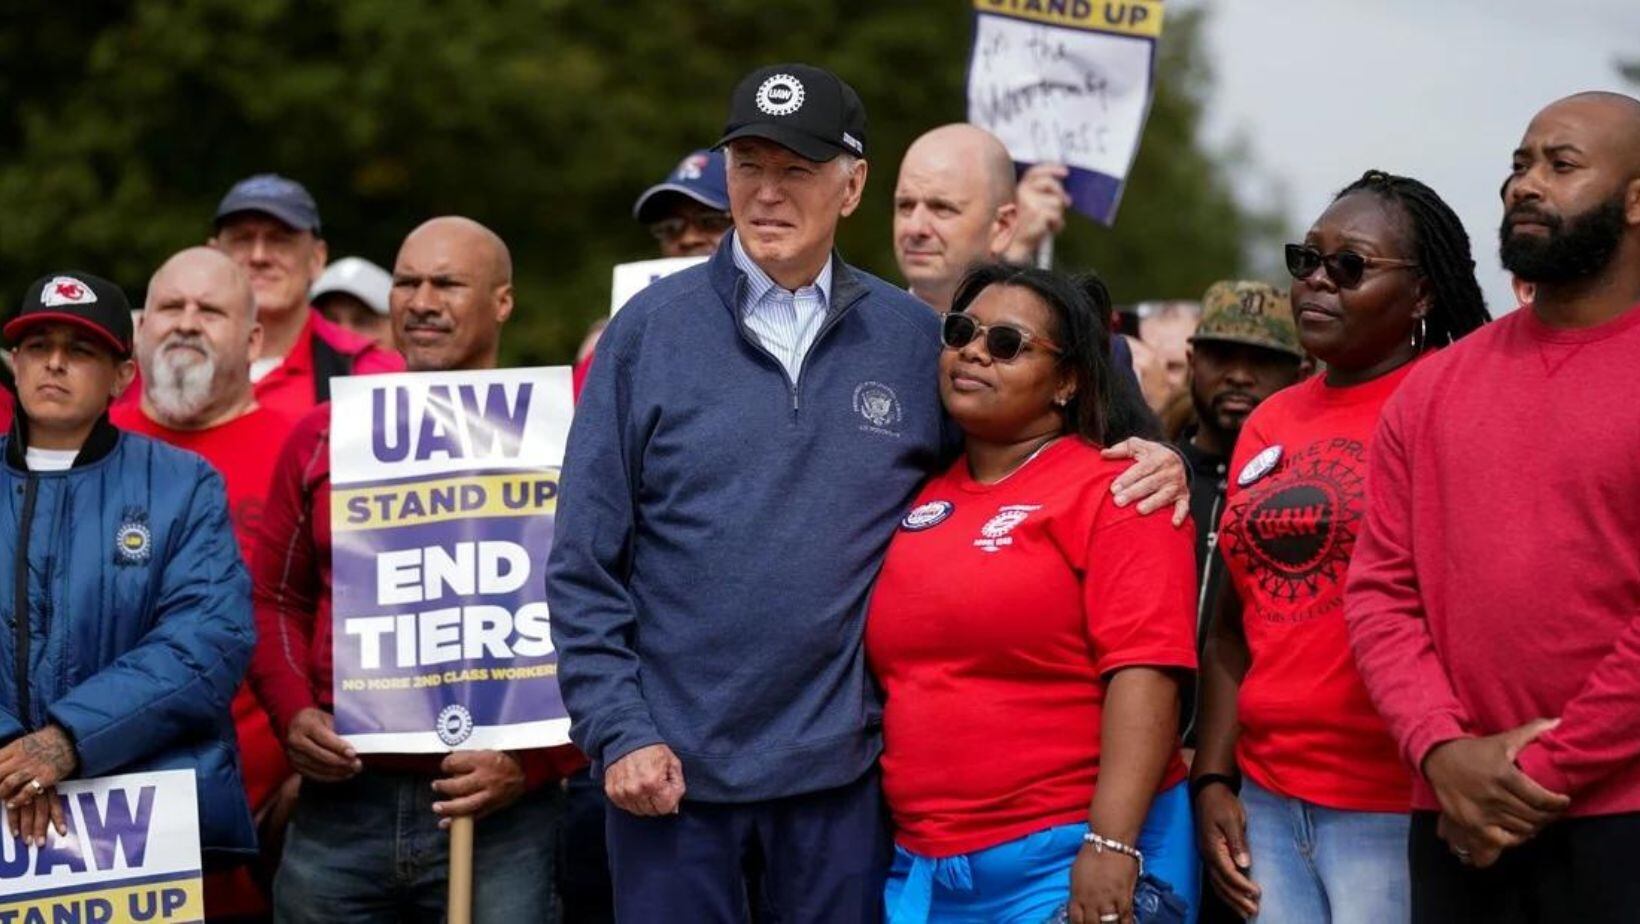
[{"x": 180, "y": 388}]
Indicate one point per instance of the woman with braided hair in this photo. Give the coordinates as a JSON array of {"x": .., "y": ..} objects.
[{"x": 1301, "y": 799}]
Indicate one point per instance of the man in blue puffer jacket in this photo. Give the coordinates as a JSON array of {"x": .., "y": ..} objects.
[{"x": 126, "y": 607}]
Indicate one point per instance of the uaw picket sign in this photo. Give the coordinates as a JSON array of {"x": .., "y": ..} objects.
[
  {"x": 131, "y": 854},
  {"x": 444, "y": 487},
  {"x": 1068, "y": 82}
]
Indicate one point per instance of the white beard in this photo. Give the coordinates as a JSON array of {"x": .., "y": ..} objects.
[{"x": 182, "y": 385}]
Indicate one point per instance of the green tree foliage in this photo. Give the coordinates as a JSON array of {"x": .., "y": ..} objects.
[{"x": 122, "y": 124}]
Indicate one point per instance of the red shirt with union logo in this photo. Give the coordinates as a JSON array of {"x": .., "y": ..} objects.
[
  {"x": 1295, "y": 504},
  {"x": 999, "y": 615}
]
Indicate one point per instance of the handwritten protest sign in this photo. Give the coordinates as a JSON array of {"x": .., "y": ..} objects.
[
  {"x": 444, "y": 487},
  {"x": 632, "y": 278},
  {"x": 1069, "y": 82},
  {"x": 131, "y": 854}
]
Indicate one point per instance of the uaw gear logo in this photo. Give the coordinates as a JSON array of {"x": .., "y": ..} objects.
[
  {"x": 780, "y": 95},
  {"x": 994, "y": 535},
  {"x": 66, "y": 290},
  {"x": 877, "y": 403},
  {"x": 133, "y": 541},
  {"x": 927, "y": 516},
  {"x": 1294, "y": 533},
  {"x": 454, "y": 725}
]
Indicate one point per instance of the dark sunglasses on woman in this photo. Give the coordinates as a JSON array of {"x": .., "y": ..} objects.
[
  {"x": 1003, "y": 341},
  {"x": 1345, "y": 268}
]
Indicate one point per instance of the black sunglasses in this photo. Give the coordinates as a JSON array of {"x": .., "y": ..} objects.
[
  {"x": 1003, "y": 341},
  {"x": 1345, "y": 268}
]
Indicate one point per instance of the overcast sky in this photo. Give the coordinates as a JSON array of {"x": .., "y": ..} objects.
[{"x": 1321, "y": 90}]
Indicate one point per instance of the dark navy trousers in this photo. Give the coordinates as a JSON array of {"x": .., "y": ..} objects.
[{"x": 823, "y": 857}]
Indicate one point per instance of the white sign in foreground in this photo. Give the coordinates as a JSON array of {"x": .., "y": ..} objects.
[
  {"x": 1067, "y": 82},
  {"x": 632, "y": 278},
  {"x": 131, "y": 854}
]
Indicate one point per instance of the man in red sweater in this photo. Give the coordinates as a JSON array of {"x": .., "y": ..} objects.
[
  {"x": 195, "y": 343},
  {"x": 1494, "y": 597},
  {"x": 366, "y": 842}
]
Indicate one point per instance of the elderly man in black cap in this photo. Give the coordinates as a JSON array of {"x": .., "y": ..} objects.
[
  {"x": 744, "y": 448},
  {"x": 746, "y": 373}
]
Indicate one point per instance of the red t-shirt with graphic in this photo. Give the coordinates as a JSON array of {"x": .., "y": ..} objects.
[
  {"x": 1294, "y": 507},
  {"x": 999, "y": 615}
]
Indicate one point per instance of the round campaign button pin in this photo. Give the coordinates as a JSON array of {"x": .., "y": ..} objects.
[
  {"x": 927, "y": 516},
  {"x": 1259, "y": 466}
]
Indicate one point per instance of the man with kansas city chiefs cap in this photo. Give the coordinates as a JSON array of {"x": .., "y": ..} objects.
[
  {"x": 131, "y": 612},
  {"x": 745, "y": 446}
]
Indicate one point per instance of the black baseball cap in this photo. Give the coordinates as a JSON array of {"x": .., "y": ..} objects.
[
  {"x": 806, "y": 109},
  {"x": 77, "y": 298},
  {"x": 275, "y": 195}
]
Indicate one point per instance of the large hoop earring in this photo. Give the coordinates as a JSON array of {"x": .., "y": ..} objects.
[{"x": 1420, "y": 337}]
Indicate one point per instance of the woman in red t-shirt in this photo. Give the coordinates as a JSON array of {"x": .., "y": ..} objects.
[
  {"x": 1318, "y": 833},
  {"x": 1030, "y": 634}
]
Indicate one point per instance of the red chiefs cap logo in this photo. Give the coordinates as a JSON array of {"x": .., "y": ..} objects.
[{"x": 66, "y": 290}]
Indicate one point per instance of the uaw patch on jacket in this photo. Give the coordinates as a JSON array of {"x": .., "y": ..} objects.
[{"x": 133, "y": 541}]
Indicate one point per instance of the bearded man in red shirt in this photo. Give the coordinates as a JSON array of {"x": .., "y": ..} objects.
[
  {"x": 1494, "y": 597},
  {"x": 195, "y": 343}
]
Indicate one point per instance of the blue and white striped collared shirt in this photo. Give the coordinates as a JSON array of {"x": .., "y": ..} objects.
[{"x": 785, "y": 323}]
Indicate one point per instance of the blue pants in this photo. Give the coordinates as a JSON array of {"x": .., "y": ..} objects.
[
  {"x": 1026, "y": 880},
  {"x": 583, "y": 863},
  {"x": 823, "y": 856},
  {"x": 369, "y": 850},
  {"x": 1317, "y": 865}
]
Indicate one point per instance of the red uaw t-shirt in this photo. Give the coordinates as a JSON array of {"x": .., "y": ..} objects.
[
  {"x": 244, "y": 451},
  {"x": 999, "y": 614},
  {"x": 1295, "y": 505}
]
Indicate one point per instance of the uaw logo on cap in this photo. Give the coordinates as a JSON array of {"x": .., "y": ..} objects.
[
  {"x": 455, "y": 724},
  {"x": 927, "y": 516},
  {"x": 780, "y": 95},
  {"x": 66, "y": 290},
  {"x": 877, "y": 404},
  {"x": 133, "y": 541}
]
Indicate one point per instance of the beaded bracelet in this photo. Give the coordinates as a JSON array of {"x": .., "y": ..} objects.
[{"x": 1101, "y": 844}]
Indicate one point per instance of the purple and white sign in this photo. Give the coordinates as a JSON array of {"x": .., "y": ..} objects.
[
  {"x": 129, "y": 852},
  {"x": 444, "y": 487},
  {"x": 1067, "y": 82}
]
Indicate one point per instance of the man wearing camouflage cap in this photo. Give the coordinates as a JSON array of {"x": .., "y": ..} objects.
[{"x": 1244, "y": 350}]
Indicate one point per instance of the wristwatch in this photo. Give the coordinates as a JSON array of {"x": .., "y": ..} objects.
[{"x": 1197, "y": 784}]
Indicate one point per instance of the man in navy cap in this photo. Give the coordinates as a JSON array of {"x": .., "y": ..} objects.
[
  {"x": 688, "y": 212},
  {"x": 270, "y": 226}
]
